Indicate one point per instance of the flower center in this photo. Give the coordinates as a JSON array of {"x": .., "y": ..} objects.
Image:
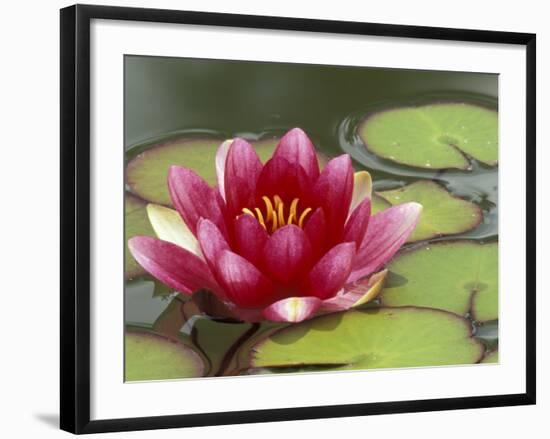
[{"x": 276, "y": 214}]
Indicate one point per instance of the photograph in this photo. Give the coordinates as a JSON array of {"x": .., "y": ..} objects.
[{"x": 297, "y": 218}]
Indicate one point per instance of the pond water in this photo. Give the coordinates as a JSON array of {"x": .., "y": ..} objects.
[{"x": 173, "y": 97}]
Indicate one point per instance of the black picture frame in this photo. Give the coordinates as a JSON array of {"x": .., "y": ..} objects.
[{"x": 75, "y": 217}]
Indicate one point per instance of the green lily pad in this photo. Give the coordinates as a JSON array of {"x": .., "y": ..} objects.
[
  {"x": 161, "y": 290},
  {"x": 442, "y": 213},
  {"x": 436, "y": 136},
  {"x": 378, "y": 203},
  {"x": 371, "y": 339},
  {"x": 183, "y": 320},
  {"x": 490, "y": 357},
  {"x": 219, "y": 341},
  {"x": 136, "y": 223},
  {"x": 150, "y": 356},
  {"x": 459, "y": 277},
  {"x": 147, "y": 172}
]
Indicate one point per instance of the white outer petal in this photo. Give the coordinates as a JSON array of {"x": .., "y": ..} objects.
[
  {"x": 169, "y": 226},
  {"x": 362, "y": 188},
  {"x": 292, "y": 309},
  {"x": 221, "y": 155}
]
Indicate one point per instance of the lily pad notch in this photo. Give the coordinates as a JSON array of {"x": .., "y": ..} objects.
[
  {"x": 456, "y": 276},
  {"x": 434, "y": 136}
]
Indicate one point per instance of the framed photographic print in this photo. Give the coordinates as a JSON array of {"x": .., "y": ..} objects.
[{"x": 285, "y": 218}]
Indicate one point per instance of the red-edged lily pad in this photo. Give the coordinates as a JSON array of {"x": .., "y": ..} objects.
[
  {"x": 151, "y": 356},
  {"x": 183, "y": 318},
  {"x": 490, "y": 357},
  {"x": 147, "y": 172},
  {"x": 460, "y": 277},
  {"x": 371, "y": 339},
  {"x": 442, "y": 212}
]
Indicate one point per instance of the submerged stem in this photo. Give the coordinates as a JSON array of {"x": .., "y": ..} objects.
[{"x": 231, "y": 354}]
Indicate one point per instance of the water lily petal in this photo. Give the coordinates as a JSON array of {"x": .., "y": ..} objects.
[
  {"x": 356, "y": 225},
  {"x": 362, "y": 188},
  {"x": 315, "y": 230},
  {"x": 287, "y": 254},
  {"x": 356, "y": 293},
  {"x": 333, "y": 192},
  {"x": 242, "y": 169},
  {"x": 221, "y": 156},
  {"x": 211, "y": 241},
  {"x": 292, "y": 309},
  {"x": 386, "y": 233},
  {"x": 169, "y": 226},
  {"x": 296, "y": 147},
  {"x": 193, "y": 198},
  {"x": 172, "y": 265},
  {"x": 250, "y": 238},
  {"x": 327, "y": 277},
  {"x": 243, "y": 283},
  {"x": 283, "y": 178}
]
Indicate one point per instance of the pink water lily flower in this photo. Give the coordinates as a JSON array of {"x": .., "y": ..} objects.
[{"x": 282, "y": 241}]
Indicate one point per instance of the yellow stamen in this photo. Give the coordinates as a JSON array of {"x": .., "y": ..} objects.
[
  {"x": 269, "y": 208},
  {"x": 293, "y": 207},
  {"x": 274, "y": 224},
  {"x": 260, "y": 217},
  {"x": 303, "y": 216},
  {"x": 275, "y": 213},
  {"x": 280, "y": 213}
]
